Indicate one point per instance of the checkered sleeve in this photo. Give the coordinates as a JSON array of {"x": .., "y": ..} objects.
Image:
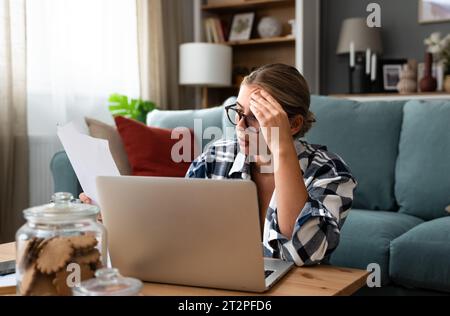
[
  {"x": 198, "y": 167},
  {"x": 317, "y": 229},
  {"x": 215, "y": 162}
]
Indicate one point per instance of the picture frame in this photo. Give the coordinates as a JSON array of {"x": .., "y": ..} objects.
[
  {"x": 390, "y": 73},
  {"x": 391, "y": 77},
  {"x": 241, "y": 26},
  {"x": 434, "y": 11}
]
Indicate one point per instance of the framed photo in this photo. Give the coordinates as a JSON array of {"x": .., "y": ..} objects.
[
  {"x": 434, "y": 11},
  {"x": 241, "y": 27},
  {"x": 390, "y": 73},
  {"x": 391, "y": 77}
]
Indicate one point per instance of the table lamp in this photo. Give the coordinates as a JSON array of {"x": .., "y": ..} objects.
[
  {"x": 205, "y": 65},
  {"x": 355, "y": 39}
]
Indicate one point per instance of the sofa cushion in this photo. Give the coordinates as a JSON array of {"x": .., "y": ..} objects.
[
  {"x": 365, "y": 135},
  {"x": 422, "y": 184},
  {"x": 196, "y": 120},
  {"x": 149, "y": 149},
  {"x": 64, "y": 177},
  {"x": 366, "y": 237},
  {"x": 421, "y": 257}
]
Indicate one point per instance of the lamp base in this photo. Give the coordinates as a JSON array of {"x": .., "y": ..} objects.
[
  {"x": 204, "y": 97},
  {"x": 359, "y": 81}
]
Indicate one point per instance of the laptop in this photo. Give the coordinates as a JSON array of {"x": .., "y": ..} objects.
[{"x": 195, "y": 232}]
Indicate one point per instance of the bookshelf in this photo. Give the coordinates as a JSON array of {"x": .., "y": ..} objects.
[
  {"x": 231, "y": 5},
  {"x": 297, "y": 46},
  {"x": 256, "y": 41},
  {"x": 438, "y": 95}
]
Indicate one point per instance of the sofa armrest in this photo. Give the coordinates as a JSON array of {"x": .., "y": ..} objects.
[{"x": 64, "y": 177}]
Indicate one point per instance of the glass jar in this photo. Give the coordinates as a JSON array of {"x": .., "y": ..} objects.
[
  {"x": 108, "y": 282},
  {"x": 59, "y": 246}
]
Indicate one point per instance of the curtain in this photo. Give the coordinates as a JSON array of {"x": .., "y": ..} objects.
[
  {"x": 79, "y": 53},
  {"x": 162, "y": 26},
  {"x": 13, "y": 127}
]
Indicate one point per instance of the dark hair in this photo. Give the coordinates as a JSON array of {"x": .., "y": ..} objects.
[{"x": 288, "y": 87}]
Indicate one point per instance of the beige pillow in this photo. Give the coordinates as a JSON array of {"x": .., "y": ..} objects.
[{"x": 101, "y": 130}]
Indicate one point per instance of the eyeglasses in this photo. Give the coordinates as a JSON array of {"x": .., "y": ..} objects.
[{"x": 235, "y": 115}]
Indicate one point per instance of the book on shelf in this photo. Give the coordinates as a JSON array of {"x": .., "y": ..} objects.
[
  {"x": 219, "y": 30},
  {"x": 225, "y": 29},
  {"x": 215, "y": 30},
  {"x": 208, "y": 34}
]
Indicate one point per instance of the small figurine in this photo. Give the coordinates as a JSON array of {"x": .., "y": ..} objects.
[{"x": 408, "y": 81}]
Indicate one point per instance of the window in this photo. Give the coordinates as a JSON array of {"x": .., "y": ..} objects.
[{"x": 79, "y": 52}]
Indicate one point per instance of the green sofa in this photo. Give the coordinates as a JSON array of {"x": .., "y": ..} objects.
[{"x": 399, "y": 153}]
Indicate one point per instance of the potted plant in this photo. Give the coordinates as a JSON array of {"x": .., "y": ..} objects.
[{"x": 136, "y": 109}]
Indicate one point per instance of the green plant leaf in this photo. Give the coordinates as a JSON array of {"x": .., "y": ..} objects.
[{"x": 136, "y": 109}]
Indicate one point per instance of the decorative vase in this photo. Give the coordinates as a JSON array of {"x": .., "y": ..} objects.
[
  {"x": 428, "y": 82},
  {"x": 407, "y": 83},
  {"x": 269, "y": 27},
  {"x": 447, "y": 83}
]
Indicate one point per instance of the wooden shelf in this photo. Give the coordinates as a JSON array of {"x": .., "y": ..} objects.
[
  {"x": 393, "y": 94},
  {"x": 440, "y": 95},
  {"x": 258, "y": 41},
  {"x": 246, "y": 4},
  {"x": 234, "y": 87}
]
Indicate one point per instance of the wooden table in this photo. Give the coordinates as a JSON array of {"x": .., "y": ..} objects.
[{"x": 305, "y": 281}]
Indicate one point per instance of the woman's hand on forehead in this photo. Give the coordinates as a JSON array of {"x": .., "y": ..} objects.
[{"x": 263, "y": 95}]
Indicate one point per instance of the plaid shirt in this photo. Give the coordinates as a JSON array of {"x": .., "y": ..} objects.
[{"x": 330, "y": 188}]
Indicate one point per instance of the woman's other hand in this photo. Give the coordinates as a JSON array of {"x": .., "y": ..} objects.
[{"x": 86, "y": 200}]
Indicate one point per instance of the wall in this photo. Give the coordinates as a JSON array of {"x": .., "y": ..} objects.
[{"x": 402, "y": 35}]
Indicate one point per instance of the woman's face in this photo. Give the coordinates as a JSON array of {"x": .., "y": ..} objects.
[{"x": 248, "y": 134}]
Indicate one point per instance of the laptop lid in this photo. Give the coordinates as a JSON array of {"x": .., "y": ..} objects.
[{"x": 197, "y": 232}]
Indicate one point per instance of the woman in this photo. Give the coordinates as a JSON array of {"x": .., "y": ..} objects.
[
  {"x": 306, "y": 197},
  {"x": 304, "y": 191}
]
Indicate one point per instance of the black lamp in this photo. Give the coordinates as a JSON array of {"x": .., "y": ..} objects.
[{"x": 362, "y": 43}]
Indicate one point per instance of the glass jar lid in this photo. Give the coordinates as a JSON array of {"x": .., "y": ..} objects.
[
  {"x": 62, "y": 208},
  {"x": 109, "y": 282}
]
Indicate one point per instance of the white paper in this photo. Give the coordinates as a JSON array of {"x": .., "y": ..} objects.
[
  {"x": 8, "y": 280},
  {"x": 90, "y": 157}
]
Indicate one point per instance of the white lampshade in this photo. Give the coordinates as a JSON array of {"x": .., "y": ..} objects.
[
  {"x": 204, "y": 64},
  {"x": 363, "y": 37}
]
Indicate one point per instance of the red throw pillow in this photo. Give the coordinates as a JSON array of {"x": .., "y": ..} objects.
[{"x": 149, "y": 149}]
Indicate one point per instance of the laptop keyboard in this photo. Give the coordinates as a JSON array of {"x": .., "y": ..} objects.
[{"x": 267, "y": 273}]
